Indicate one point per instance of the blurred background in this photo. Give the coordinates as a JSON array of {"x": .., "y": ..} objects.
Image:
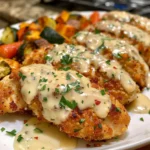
[{"x": 13, "y": 11}]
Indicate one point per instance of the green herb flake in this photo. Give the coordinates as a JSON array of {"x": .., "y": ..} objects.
[
  {"x": 54, "y": 74},
  {"x": 43, "y": 88},
  {"x": 77, "y": 130},
  {"x": 96, "y": 31},
  {"x": 64, "y": 102},
  {"x": 141, "y": 119},
  {"x": 118, "y": 109},
  {"x": 100, "y": 48},
  {"x": 79, "y": 75},
  {"x": 22, "y": 76},
  {"x": 108, "y": 62},
  {"x": 81, "y": 120},
  {"x": 11, "y": 133},
  {"x": 45, "y": 99},
  {"x": 102, "y": 92},
  {"x": 66, "y": 59},
  {"x": 43, "y": 80},
  {"x": 149, "y": 112},
  {"x": 2, "y": 129},
  {"x": 48, "y": 58},
  {"x": 26, "y": 124},
  {"x": 100, "y": 126},
  {"x": 57, "y": 90},
  {"x": 20, "y": 138},
  {"x": 38, "y": 130},
  {"x": 64, "y": 68},
  {"x": 68, "y": 77},
  {"x": 117, "y": 55}
]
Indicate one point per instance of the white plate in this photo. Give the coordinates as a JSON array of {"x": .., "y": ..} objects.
[{"x": 137, "y": 135}]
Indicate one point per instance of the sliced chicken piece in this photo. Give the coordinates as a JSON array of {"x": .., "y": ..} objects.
[
  {"x": 126, "y": 17},
  {"x": 71, "y": 102},
  {"x": 126, "y": 54},
  {"x": 132, "y": 34},
  {"x": 104, "y": 72}
]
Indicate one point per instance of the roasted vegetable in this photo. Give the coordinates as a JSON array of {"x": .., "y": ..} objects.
[
  {"x": 4, "y": 69},
  {"x": 9, "y": 35},
  {"x": 51, "y": 35},
  {"x": 9, "y": 50}
]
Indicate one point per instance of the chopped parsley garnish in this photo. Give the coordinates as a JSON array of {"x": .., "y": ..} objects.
[
  {"x": 100, "y": 126},
  {"x": 81, "y": 120},
  {"x": 43, "y": 88},
  {"x": 57, "y": 90},
  {"x": 2, "y": 129},
  {"x": 48, "y": 58},
  {"x": 22, "y": 76},
  {"x": 101, "y": 47},
  {"x": 38, "y": 130},
  {"x": 118, "y": 109},
  {"x": 108, "y": 62},
  {"x": 68, "y": 77},
  {"x": 113, "y": 76},
  {"x": 66, "y": 59},
  {"x": 20, "y": 138},
  {"x": 54, "y": 74},
  {"x": 149, "y": 112},
  {"x": 117, "y": 55},
  {"x": 97, "y": 31},
  {"x": 65, "y": 68},
  {"x": 64, "y": 102},
  {"x": 11, "y": 133},
  {"x": 82, "y": 101},
  {"x": 45, "y": 99},
  {"x": 43, "y": 80},
  {"x": 79, "y": 75},
  {"x": 141, "y": 119},
  {"x": 77, "y": 130},
  {"x": 102, "y": 92}
]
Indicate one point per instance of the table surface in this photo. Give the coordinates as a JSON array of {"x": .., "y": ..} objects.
[{"x": 15, "y": 14}]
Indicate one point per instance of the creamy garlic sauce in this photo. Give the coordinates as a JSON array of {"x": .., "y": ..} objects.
[
  {"x": 127, "y": 17},
  {"x": 116, "y": 46},
  {"x": 42, "y": 136},
  {"x": 84, "y": 58},
  {"x": 55, "y": 89},
  {"x": 140, "y": 105},
  {"x": 132, "y": 32}
]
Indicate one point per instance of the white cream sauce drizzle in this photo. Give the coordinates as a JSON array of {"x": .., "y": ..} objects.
[
  {"x": 131, "y": 31},
  {"x": 93, "y": 41},
  {"x": 50, "y": 137},
  {"x": 84, "y": 58},
  {"x": 127, "y": 17},
  {"x": 44, "y": 81},
  {"x": 140, "y": 105}
]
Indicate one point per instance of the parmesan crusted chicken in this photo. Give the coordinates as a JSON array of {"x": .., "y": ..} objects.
[
  {"x": 72, "y": 102},
  {"x": 103, "y": 72},
  {"x": 132, "y": 34},
  {"x": 10, "y": 96},
  {"x": 136, "y": 20},
  {"x": 126, "y": 54}
]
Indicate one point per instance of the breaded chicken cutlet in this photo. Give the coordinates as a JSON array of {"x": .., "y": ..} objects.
[
  {"x": 10, "y": 97},
  {"x": 72, "y": 102},
  {"x": 112, "y": 48},
  {"x": 126, "y": 17},
  {"x": 104, "y": 72},
  {"x": 130, "y": 33}
]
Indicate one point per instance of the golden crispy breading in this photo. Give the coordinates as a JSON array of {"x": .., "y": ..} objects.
[
  {"x": 122, "y": 16},
  {"x": 93, "y": 128},
  {"x": 113, "y": 86},
  {"x": 132, "y": 34},
  {"x": 113, "y": 48},
  {"x": 10, "y": 97}
]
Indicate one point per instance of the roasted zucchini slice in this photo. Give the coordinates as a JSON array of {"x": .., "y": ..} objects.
[
  {"x": 9, "y": 35},
  {"x": 4, "y": 69}
]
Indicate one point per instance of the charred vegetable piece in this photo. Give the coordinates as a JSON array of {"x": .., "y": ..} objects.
[
  {"x": 9, "y": 50},
  {"x": 52, "y": 36},
  {"x": 4, "y": 69},
  {"x": 9, "y": 35}
]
